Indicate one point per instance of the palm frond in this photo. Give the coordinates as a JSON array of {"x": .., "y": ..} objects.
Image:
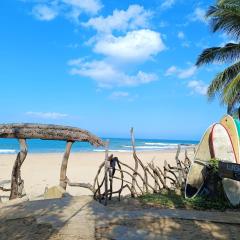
[
  {"x": 232, "y": 90},
  {"x": 230, "y": 52},
  {"x": 225, "y": 16},
  {"x": 222, "y": 79}
]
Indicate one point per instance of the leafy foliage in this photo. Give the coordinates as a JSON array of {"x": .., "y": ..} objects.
[
  {"x": 172, "y": 200},
  {"x": 225, "y": 16},
  {"x": 214, "y": 165}
]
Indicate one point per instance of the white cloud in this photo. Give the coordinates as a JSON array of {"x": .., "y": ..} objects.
[
  {"x": 168, "y": 4},
  {"x": 133, "y": 18},
  {"x": 186, "y": 73},
  {"x": 44, "y": 13},
  {"x": 47, "y": 115},
  {"x": 89, "y": 6},
  {"x": 199, "y": 15},
  {"x": 198, "y": 87},
  {"x": 181, "y": 73},
  {"x": 171, "y": 71},
  {"x": 117, "y": 95},
  {"x": 49, "y": 10},
  {"x": 107, "y": 75},
  {"x": 181, "y": 35},
  {"x": 137, "y": 45}
]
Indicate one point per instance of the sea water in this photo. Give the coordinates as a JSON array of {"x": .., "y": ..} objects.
[{"x": 11, "y": 146}]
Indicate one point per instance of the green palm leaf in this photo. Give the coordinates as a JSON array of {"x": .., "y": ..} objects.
[
  {"x": 230, "y": 52},
  {"x": 222, "y": 79},
  {"x": 225, "y": 16},
  {"x": 231, "y": 91}
]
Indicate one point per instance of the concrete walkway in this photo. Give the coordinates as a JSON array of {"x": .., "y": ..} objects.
[{"x": 83, "y": 218}]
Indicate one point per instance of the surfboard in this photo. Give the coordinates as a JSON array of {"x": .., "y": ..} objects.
[
  {"x": 232, "y": 127},
  {"x": 222, "y": 149},
  {"x": 237, "y": 122},
  {"x": 195, "y": 178}
]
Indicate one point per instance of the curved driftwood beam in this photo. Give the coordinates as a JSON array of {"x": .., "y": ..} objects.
[
  {"x": 17, "y": 184},
  {"x": 48, "y": 132}
]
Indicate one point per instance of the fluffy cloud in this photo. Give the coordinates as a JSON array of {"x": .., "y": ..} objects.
[
  {"x": 107, "y": 75},
  {"x": 137, "y": 45},
  {"x": 89, "y": 6},
  {"x": 47, "y": 115},
  {"x": 198, "y": 87},
  {"x": 181, "y": 73},
  {"x": 49, "y": 10},
  {"x": 133, "y": 18},
  {"x": 199, "y": 15},
  {"x": 44, "y": 13},
  {"x": 167, "y": 4}
]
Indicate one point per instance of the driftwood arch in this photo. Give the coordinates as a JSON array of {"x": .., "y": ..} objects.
[{"x": 25, "y": 131}]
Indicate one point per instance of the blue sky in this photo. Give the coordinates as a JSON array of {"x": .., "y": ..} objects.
[{"x": 108, "y": 65}]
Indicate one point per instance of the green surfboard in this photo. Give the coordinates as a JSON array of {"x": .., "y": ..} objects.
[{"x": 237, "y": 122}]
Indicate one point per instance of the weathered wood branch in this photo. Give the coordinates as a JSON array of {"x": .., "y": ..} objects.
[
  {"x": 5, "y": 189},
  {"x": 48, "y": 132},
  {"x": 17, "y": 184},
  {"x": 63, "y": 171},
  {"x": 83, "y": 185},
  {"x": 135, "y": 161},
  {"x": 106, "y": 167}
]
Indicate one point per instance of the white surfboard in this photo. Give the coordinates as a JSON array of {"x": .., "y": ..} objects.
[
  {"x": 195, "y": 178},
  {"x": 223, "y": 149}
]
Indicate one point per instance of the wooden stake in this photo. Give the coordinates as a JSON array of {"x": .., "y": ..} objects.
[
  {"x": 136, "y": 165},
  {"x": 63, "y": 171},
  {"x": 106, "y": 167},
  {"x": 17, "y": 184}
]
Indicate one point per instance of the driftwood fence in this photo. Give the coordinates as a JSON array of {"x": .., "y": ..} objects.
[{"x": 138, "y": 179}]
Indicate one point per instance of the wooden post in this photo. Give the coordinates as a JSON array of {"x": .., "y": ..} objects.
[
  {"x": 17, "y": 184},
  {"x": 133, "y": 189},
  {"x": 106, "y": 167},
  {"x": 179, "y": 167},
  {"x": 63, "y": 172}
]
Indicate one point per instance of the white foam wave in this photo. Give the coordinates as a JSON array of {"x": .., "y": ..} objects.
[
  {"x": 111, "y": 150},
  {"x": 7, "y": 151},
  {"x": 154, "y": 147},
  {"x": 161, "y": 144}
]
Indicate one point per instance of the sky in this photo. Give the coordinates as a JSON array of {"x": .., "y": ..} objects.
[{"x": 108, "y": 65}]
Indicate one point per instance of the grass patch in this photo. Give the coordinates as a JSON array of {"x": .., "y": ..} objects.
[{"x": 170, "y": 199}]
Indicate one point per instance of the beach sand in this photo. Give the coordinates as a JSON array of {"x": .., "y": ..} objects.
[{"x": 41, "y": 170}]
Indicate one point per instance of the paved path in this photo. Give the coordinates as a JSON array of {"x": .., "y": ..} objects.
[{"x": 79, "y": 217}]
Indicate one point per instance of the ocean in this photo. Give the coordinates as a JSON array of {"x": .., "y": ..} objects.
[{"x": 8, "y": 146}]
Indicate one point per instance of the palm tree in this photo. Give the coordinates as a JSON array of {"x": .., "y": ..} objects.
[{"x": 225, "y": 16}]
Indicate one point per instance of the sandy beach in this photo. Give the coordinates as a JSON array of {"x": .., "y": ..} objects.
[{"x": 42, "y": 170}]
